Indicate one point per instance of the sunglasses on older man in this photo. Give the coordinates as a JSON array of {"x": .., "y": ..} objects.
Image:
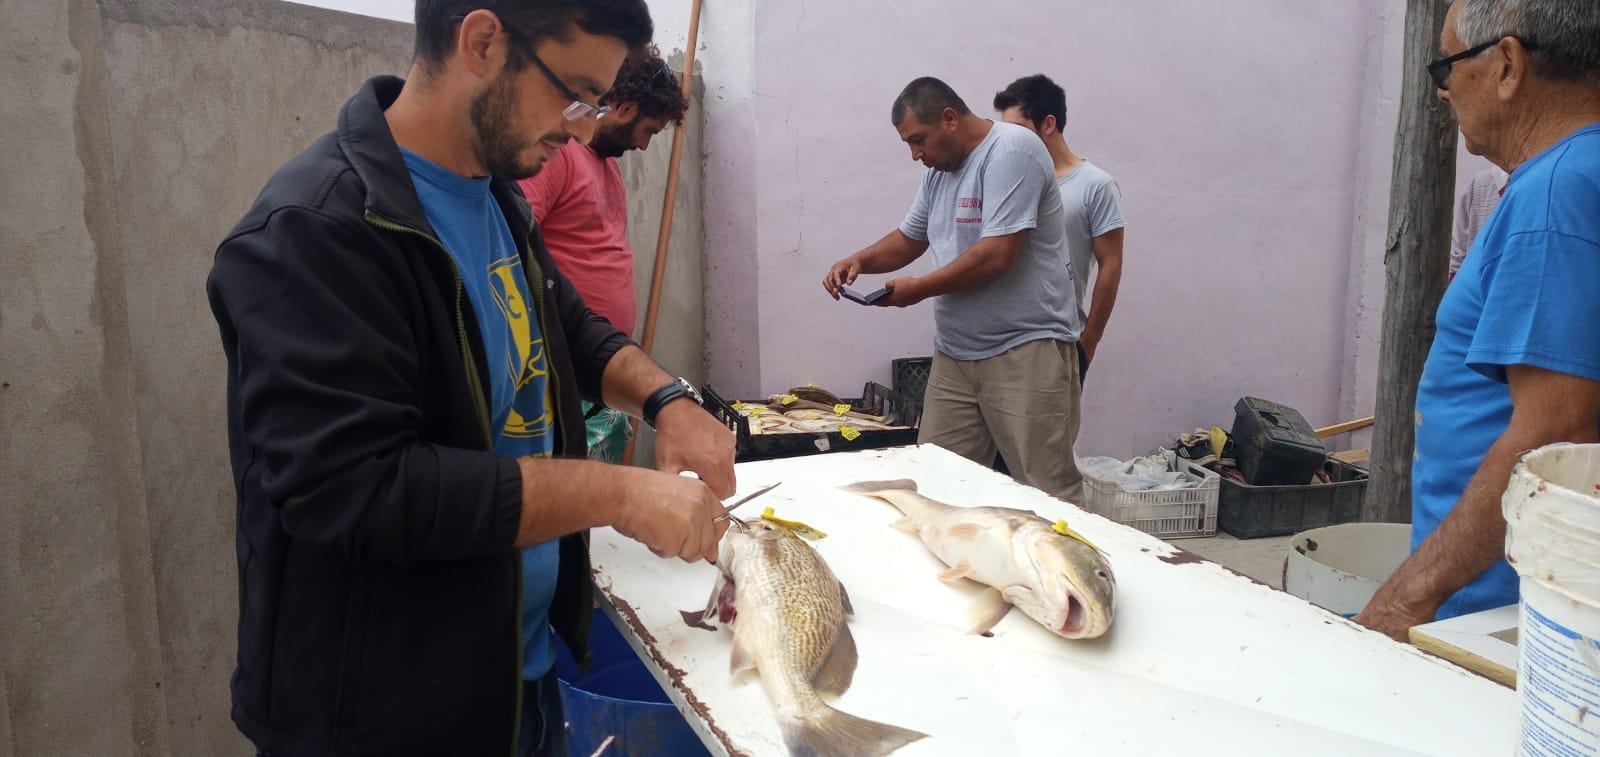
[{"x": 1440, "y": 69}]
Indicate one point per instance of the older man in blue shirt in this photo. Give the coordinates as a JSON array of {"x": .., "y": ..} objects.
[{"x": 1515, "y": 364}]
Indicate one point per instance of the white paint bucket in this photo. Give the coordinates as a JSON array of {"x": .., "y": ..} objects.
[
  {"x": 1339, "y": 568},
  {"x": 1553, "y": 540}
]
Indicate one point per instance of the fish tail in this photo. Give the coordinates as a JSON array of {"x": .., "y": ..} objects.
[
  {"x": 830, "y": 732},
  {"x": 903, "y": 495},
  {"x": 872, "y": 487}
]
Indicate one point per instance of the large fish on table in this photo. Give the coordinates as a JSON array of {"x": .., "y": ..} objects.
[
  {"x": 788, "y": 614},
  {"x": 1054, "y": 576}
]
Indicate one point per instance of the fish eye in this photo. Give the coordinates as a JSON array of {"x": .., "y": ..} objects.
[{"x": 1102, "y": 574}]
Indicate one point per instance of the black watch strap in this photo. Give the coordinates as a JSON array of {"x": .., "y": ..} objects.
[{"x": 660, "y": 397}]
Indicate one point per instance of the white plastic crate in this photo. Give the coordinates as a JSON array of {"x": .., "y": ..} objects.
[{"x": 1169, "y": 514}]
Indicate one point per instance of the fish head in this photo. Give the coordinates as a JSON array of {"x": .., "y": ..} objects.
[
  {"x": 1070, "y": 588},
  {"x": 742, "y": 540}
]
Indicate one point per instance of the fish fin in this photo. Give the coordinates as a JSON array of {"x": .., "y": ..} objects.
[
  {"x": 965, "y": 530},
  {"x": 870, "y": 488},
  {"x": 839, "y": 667},
  {"x": 906, "y": 525},
  {"x": 832, "y": 732},
  {"x": 987, "y": 612},
  {"x": 956, "y": 573},
  {"x": 844, "y": 598},
  {"x": 741, "y": 660},
  {"x": 712, "y": 603}
]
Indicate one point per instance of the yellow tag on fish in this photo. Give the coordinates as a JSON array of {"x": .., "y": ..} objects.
[
  {"x": 754, "y": 410},
  {"x": 789, "y": 399},
  {"x": 849, "y": 433},
  {"x": 800, "y": 529},
  {"x": 1061, "y": 528},
  {"x": 841, "y": 408}
]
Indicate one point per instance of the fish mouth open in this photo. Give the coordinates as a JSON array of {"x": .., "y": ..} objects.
[{"x": 1077, "y": 616}]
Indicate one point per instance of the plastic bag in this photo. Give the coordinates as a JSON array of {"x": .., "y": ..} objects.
[{"x": 1149, "y": 473}]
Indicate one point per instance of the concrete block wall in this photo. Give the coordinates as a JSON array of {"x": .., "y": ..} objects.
[{"x": 133, "y": 134}]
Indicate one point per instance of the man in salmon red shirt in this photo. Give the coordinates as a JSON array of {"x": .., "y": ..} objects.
[{"x": 582, "y": 208}]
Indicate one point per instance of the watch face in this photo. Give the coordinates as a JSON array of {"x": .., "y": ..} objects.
[{"x": 693, "y": 392}]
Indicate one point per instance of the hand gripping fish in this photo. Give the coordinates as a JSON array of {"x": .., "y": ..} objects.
[
  {"x": 788, "y": 613},
  {"x": 1055, "y": 576}
]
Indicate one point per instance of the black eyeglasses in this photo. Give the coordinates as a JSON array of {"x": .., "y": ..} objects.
[
  {"x": 1440, "y": 69},
  {"x": 577, "y": 110}
]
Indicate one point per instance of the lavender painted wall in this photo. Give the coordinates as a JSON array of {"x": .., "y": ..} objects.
[
  {"x": 1252, "y": 140},
  {"x": 1232, "y": 129}
]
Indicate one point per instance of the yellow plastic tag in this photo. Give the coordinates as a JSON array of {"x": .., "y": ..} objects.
[
  {"x": 789, "y": 399},
  {"x": 755, "y": 410},
  {"x": 1061, "y": 528},
  {"x": 841, "y": 408},
  {"x": 849, "y": 433},
  {"x": 800, "y": 529}
]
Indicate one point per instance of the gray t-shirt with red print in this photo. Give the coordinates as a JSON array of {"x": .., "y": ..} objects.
[{"x": 1007, "y": 184}]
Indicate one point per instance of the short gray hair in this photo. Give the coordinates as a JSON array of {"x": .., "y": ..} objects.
[{"x": 1566, "y": 33}]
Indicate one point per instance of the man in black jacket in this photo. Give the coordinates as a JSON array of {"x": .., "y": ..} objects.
[{"x": 406, "y": 367}]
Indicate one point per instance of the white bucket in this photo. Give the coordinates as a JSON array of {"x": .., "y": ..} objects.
[
  {"x": 1339, "y": 568},
  {"x": 1553, "y": 540}
]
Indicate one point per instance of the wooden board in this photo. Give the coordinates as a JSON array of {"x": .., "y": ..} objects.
[
  {"x": 1483, "y": 642},
  {"x": 1200, "y": 661},
  {"x": 1346, "y": 427},
  {"x": 1353, "y": 457}
]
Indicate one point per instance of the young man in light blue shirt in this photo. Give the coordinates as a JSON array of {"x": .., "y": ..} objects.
[{"x": 1090, "y": 198}]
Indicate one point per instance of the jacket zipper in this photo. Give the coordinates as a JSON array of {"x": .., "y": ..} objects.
[
  {"x": 473, "y": 381},
  {"x": 482, "y": 404}
]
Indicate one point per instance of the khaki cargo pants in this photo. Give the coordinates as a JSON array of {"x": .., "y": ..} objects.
[{"x": 1023, "y": 401}]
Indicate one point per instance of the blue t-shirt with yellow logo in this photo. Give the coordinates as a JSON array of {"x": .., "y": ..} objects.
[{"x": 467, "y": 219}]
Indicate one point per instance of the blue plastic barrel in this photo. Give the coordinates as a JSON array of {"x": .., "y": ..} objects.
[{"x": 618, "y": 697}]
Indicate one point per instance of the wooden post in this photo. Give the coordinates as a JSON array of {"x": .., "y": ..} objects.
[
  {"x": 664, "y": 236},
  {"x": 1416, "y": 261}
]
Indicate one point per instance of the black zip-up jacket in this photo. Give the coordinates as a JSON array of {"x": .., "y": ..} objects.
[{"x": 379, "y": 587}]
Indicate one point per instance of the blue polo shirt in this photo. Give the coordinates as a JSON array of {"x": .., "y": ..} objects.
[{"x": 1528, "y": 294}]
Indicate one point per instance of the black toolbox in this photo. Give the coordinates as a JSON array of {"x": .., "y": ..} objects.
[
  {"x": 1252, "y": 512},
  {"x": 876, "y": 399},
  {"x": 1274, "y": 445}
]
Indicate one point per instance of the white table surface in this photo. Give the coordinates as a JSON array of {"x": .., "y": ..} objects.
[{"x": 1199, "y": 661}]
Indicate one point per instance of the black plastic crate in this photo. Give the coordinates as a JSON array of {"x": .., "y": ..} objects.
[
  {"x": 1252, "y": 512},
  {"x": 1274, "y": 444},
  {"x": 876, "y": 399},
  {"x": 910, "y": 376}
]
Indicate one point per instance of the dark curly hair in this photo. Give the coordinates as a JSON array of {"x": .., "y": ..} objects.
[{"x": 647, "y": 80}]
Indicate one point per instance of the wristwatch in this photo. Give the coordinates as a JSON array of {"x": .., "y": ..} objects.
[{"x": 679, "y": 388}]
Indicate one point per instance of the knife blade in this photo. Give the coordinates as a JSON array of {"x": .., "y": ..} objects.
[{"x": 727, "y": 514}]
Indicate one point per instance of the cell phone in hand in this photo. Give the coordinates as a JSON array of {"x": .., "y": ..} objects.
[{"x": 864, "y": 299}]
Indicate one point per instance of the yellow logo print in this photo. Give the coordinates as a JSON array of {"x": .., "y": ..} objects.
[{"x": 530, "y": 415}]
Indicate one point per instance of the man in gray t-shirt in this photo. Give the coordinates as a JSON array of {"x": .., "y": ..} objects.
[
  {"x": 1090, "y": 197},
  {"x": 1005, "y": 370}
]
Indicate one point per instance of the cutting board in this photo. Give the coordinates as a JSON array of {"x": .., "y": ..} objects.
[{"x": 1483, "y": 642}]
